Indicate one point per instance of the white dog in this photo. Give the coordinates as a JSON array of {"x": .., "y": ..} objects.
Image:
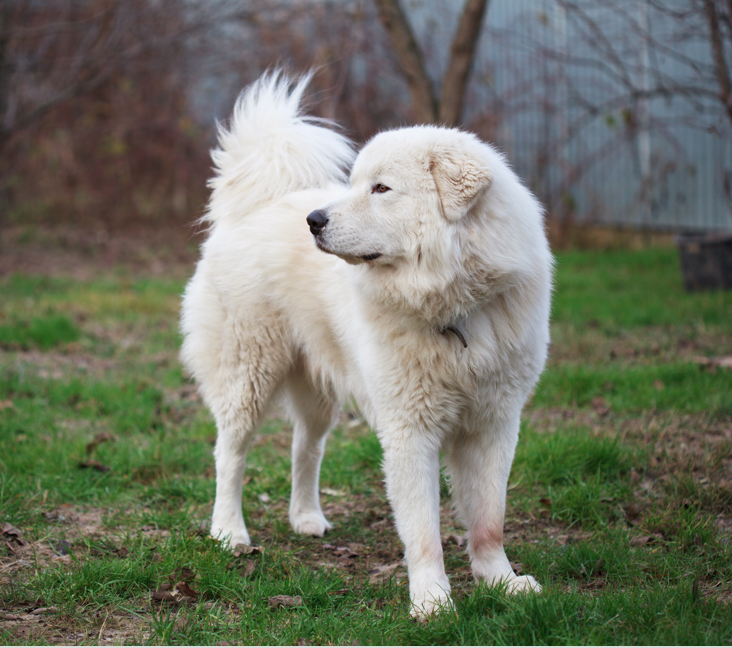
[{"x": 422, "y": 287}]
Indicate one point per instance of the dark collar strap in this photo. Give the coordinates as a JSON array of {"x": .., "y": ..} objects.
[{"x": 456, "y": 331}]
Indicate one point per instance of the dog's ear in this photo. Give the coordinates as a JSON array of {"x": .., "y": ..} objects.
[{"x": 460, "y": 180}]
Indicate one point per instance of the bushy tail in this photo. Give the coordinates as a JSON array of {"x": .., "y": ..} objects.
[{"x": 271, "y": 149}]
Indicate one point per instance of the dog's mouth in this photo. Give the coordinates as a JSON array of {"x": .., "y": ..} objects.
[
  {"x": 353, "y": 259},
  {"x": 371, "y": 257}
]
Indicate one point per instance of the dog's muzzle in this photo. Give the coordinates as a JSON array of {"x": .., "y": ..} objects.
[{"x": 317, "y": 221}]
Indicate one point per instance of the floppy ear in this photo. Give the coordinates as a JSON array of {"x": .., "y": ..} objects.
[{"x": 459, "y": 181}]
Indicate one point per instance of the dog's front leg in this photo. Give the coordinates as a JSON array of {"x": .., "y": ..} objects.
[
  {"x": 412, "y": 467},
  {"x": 480, "y": 463}
]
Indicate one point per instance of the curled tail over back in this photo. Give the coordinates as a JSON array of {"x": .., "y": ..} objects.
[{"x": 270, "y": 149}]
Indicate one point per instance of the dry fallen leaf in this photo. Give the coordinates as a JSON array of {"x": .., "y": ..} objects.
[
  {"x": 601, "y": 406},
  {"x": 642, "y": 541},
  {"x": 248, "y": 570},
  {"x": 101, "y": 437},
  {"x": 166, "y": 592},
  {"x": 382, "y": 572},
  {"x": 245, "y": 550},
  {"x": 283, "y": 600},
  {"x": 186, "y": 590},
  {"x": 63, "y": 548},
  {"x": 11, "y": 533},
  {"x": 184, "y": 574},
  {"x": 95, "y": 465}
]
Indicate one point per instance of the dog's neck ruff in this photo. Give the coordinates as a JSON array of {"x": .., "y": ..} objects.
[{"x": 454, "y": 329}]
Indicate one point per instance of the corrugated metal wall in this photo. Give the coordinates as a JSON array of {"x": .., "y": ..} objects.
[{"x": 663, "y": 162}]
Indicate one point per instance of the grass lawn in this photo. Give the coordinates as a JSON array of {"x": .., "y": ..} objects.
[{"x": 620, "y": 499}]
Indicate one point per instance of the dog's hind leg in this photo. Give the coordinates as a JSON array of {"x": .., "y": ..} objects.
[
  {"x": 313, "y": 411},
  {"x": 251, "y": 375}
]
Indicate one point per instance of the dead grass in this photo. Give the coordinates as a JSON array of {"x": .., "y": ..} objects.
[{"x": 83, "y": 253}]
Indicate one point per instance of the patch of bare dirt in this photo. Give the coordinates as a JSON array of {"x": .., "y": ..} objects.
[
  {"x": 58, "y": 365},
  {"x": 82, "y": 253},
  {"x": 43, "y": 627},
  {"x": 655, "y": 344}
]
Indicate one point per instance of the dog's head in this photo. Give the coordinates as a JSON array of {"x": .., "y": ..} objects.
[{"x": 426, "y": 212}]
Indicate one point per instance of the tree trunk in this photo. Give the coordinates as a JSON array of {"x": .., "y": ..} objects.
[
  {"x": 720, "y": 63},
  {"x": 455, "y": 82},
  {"x": 410, "y": 59}
]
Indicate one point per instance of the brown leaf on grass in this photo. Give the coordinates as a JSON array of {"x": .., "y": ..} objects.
[
  {"x": 122, "y": 552},
  {"x": 245, "y": 550},
  {"x": 382, "y": 572},
  {"x": 63, "y": 548},
  {"x": 12, "y": 534},
  {"x": 248, "y": 570},
  {"x": 283, "y": 600},
  {"x": 166, "y": 593},
  {"x": 184, "y": 574},
  {"x": 642, "y": 541},
  {"x": 633, "y": 512},
  {"x": 169, "y": 593},
  {"x": 101, "y": 437},
  {"x": 601, "y": 406},
  {"x": 95, "y": 465},
  {"x": 6, "y": 404},
  {"x": 186, "y": 590}
]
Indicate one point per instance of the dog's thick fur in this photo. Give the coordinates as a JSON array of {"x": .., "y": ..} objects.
[{"x": 275, "y": 311}]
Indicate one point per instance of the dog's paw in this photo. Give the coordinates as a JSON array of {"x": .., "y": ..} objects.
[
  {"x": 428, "y": 605},
  {"x": 518, "y": 584},
  {"x": 229, "y": 538},
  {"x": 313, "y": 524}
]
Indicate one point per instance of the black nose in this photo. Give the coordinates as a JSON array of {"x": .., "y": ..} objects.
[{"x": 317, "y": 221}]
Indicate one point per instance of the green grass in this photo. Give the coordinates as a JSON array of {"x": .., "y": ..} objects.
[{"x": 619, "y": 499}]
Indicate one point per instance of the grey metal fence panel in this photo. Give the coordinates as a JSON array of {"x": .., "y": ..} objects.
[{"x": 651, "y": 163}]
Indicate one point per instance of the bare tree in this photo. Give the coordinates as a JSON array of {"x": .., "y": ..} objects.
[
  {"x": 612, "y": 82},
  {"x": 428, "y": 107},
  {"x": 719, "y": 21},
  {"x": 52, "y": 52}
]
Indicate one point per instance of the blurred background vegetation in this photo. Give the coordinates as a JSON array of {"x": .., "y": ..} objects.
[{"x": 613, "y": 113}]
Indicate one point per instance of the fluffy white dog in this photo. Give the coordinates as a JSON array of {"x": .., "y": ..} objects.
[{"x": 422, "y": 287}]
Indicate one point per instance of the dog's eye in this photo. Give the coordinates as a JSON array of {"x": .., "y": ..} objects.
[{"x": 380, "y": 188}]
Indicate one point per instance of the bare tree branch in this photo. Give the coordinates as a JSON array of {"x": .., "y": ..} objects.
[
  {"x": 462, "y": 54},
  {"x": 448, "y": 107},
  {"x": 410, "y": 59},
  {"x": 717, "y": 44}
]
